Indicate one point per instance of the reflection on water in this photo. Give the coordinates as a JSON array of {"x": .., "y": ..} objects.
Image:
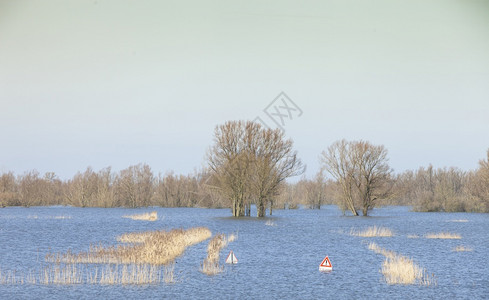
[{"x": 278, "y": 256}]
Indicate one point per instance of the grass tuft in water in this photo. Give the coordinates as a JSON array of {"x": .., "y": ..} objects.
[
  {"x": 462, "y": 248},
  {"x": 211, "y": 266},
  {"x": 443, "y": 235},
  {"x": 399, "y": 269},
  {"x": 150, "y": 216},
  {"x": 373, "y": 232}
]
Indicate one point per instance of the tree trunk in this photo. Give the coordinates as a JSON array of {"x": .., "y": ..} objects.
[
  {"x": 365, "y": 211},
  {"x": 271, "y": 204},
  {"x": 260, "y": 210},
  {"x": 234, "y": 208}
]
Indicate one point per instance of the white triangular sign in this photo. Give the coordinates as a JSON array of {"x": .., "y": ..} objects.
[{"x": 231, "y": 259}]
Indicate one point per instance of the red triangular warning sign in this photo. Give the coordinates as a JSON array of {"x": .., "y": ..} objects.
[{"x": 325, "y": 265}]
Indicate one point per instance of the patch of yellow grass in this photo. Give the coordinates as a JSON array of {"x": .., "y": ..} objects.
[
  {"x": 70, "y": 274},
  {"x": 443, "y": 235},
  {"x": 149, "y": 216},
  {"x": 156, "y": 248},
  {"x": 462, "y": 248},
  {"x": 375, "y": 248},
  {"x": 373, "y": 232},
  {"x": 399, "y": 269},
  {"x": 270, "y": 223},
  {"x": 210, "y": 266}
]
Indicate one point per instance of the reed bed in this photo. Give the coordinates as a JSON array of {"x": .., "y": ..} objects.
[
  {"x": 413, "y": 236},
  {"x": 149, "y": 216},
  {"x": 399, "y": 269},
  {"x": 211, "y": 266},
  {"x": 462, "y": 248},
  {"x": 443, "y": 235},
  {"x": 156, "y": 248},
  {"x": 373, "y": 231},
  {"x": 71, "y": 274}
]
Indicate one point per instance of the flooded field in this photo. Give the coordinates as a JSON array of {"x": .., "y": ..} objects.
[{"x": 278, "y": 256}]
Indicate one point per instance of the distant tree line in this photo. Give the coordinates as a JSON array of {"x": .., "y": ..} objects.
[
  {"x": 135, "y": 186},
  {"x": 248, "y": 165}
]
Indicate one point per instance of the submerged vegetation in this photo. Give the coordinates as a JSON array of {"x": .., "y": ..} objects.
[
  {"x": 152, "y": 216},
  {"x": 373, "y": 231},
  {"x": 399, "y": 269},
  {"x": 462, "y": 248},
  {"x": 443, "y": 235},
  {"x": 155, "y": 248},
  {"x": 147, "y": 258},
  {"x": 210, "y": 265}
]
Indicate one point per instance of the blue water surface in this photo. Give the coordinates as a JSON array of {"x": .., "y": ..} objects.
[{"x": 278, "y": 255}]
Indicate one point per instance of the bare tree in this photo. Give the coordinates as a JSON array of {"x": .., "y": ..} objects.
[
  {"x": 274, "y": 161},
  {"x": 8, "y": 190},
  {"x": 339, "y": 162},
  {"x": 134, "y": 186},
  {"x": 250, "y": 162},
  {"x": 362, "y": 171},
  {"x": 315, "y": 191}
]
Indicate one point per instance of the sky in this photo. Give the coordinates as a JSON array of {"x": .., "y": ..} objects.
[{"x": 116, "y": 83}]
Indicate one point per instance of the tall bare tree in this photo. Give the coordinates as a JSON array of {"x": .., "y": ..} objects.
[
  {"x": 275, "y": 160},
  {"x": 362, "y": 171},
  {"x": 250, "y": 162},
  {"x": 339, "y": 162}
]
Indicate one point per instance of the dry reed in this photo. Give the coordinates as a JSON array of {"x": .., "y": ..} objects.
[
  {"x": 462, "y": 248},
  {"x": 156, "y": 248},
  {"x": 152, "y": 216},
  {"x": 270, "y": 223},
  {"x": 70, "y": 274},
  {"x": 373, "y": 232},
  {"x": 399, "y": 269},
  {"x": 210, "y": 266},
  {"x": 443, "y": 235},
  {"x": 413, "y": 236}
]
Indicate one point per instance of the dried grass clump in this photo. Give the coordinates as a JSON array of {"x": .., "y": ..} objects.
[
  {"x": 270, "y": 223},
  {"x": 375, "y": 248},
  {"x": 61, "y": 274},
  {"x": 443, "y": 235},
  {"x": 9, "y": 277},
  {"x": 210, "y": 266},
  {"x": 462, "y": 248},
  {"x": 398, "y": 269},
  {"x": 49, "y": 217},
  {"x": 152, "y": 216},
  {"x": 69, "y": 274},
  {"x": 373, "y": 232},
  {"x": 133, "y": 274},
  {"x": 156, "y": 248}
]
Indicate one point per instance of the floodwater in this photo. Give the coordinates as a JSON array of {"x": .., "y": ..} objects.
[{"x": 278, "y": 256}]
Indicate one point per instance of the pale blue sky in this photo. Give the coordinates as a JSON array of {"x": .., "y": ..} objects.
[{"x": 114, "y": 83}]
